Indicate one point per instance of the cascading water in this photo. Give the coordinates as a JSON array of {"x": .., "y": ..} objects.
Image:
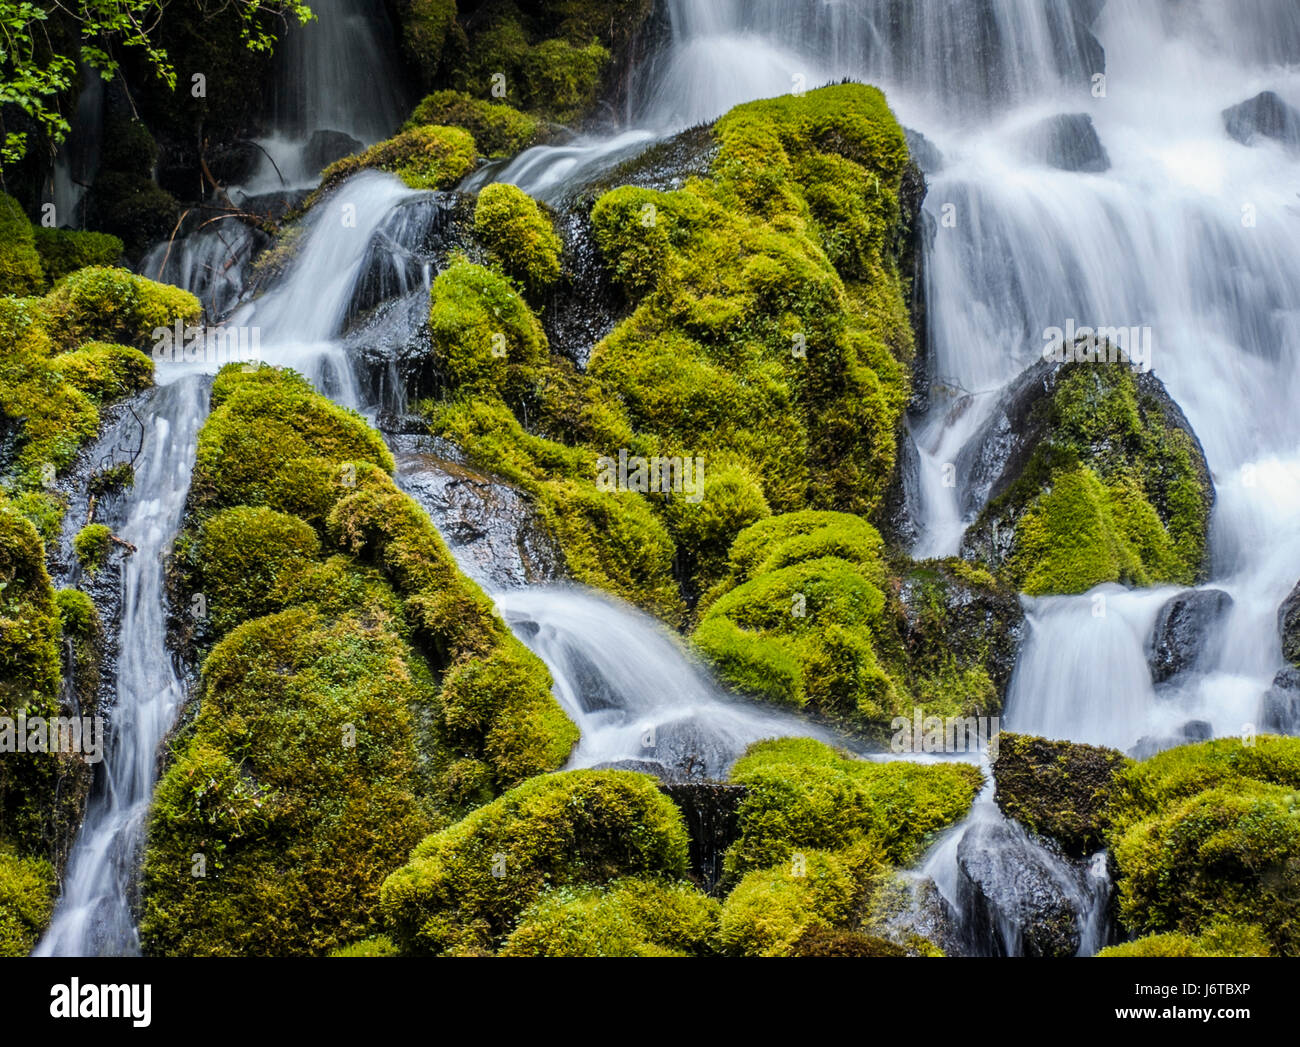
[{"x": 93, "y": 916}]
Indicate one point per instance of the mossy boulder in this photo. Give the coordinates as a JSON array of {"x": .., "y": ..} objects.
[
  {"x": 519, "y": 237},
  {"x": 1091, "y": 474},
  {"x": 1211, "y": 832},
  {"x": 465, "y": 887},
  {"x": 499, "y": 130},
  {"x": 106, "y": 372},
  {"x": 423, "y": 157},
  {"x": 64, "y": 251},
  {"x": 113, "y": 305},
  {"x": 1220, "y": 939},
  {"x": 630, "y": 917},
  {"x": 803, "y": 795},
  {"x": 20, "y": 263},
  {"x": 1060, "y": 790}
]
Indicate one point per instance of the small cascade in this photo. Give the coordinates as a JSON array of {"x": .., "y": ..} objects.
[{"x": 94, "y": 914}]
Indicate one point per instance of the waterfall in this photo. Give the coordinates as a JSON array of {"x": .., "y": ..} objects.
[{"x": 94, "y": 916}]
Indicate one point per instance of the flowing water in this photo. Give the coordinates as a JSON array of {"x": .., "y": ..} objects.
[{"x": 1178, "y": 229}]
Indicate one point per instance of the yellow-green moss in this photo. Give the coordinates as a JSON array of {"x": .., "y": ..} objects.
[
  {"x": 20, "y": 264},
  {"x": 424, "y": 158},
  {"x": 64, "y": 251},
  {"x": 631, "y": 917},
  {"x": 27, "y": 887},
  {"x": 499, "y": 130},
  {"x": 519, "y": 237},
  {"x": 1221, "y": 939},
  {"x": 104, "y": 371},
  {"x": 113, "y": 305},
  {"x": 92, "y": 545},
  {"x": 466, "y": 886}
]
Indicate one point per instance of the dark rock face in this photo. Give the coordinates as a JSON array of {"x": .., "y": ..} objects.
[
  {"x": 1060, "y": 790},
  {"x": 1068, "y": 142},
  {"x": 1182, "y": 629},
  {"x": 1016, "y": 899},
  {"x": 927, "y": 155},
  {"x": 899, "y": 513},
  {"x": 1280, "y": 712},
  {"x": 1264, "y": 116},
  {"x": 324, "y": 147},
  {"x": 233, "y": 163},
  {"x": 583, "y": 307},
  {"x": 909, "y": 910},
  {"x": 1190, "y": 733},
  {"x": 1288, "y": 623},
  {"x": 711, "y": 811}
]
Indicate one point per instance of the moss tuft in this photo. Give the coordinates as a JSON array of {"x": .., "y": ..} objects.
[
  {"x": 518, "y": 236},
  {"x": 423, "y": 158},
  {"x": 499, "y": 130},
  {"x": 92, "y": 546}
]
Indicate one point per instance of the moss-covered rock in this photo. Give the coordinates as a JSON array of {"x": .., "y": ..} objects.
[
  {"x": 519, "y": 237},
  {"x": 1220, "y": 939},
  {"x": 106, "y": 372},
  {"x": 803, "y": 795},
  {"x": 92, "y": 545},
  {"x": 20, "y": 263},
  {"x": 423, "y": 157},
  {"x": 499, "y": 129},
  {"x": 1060, "y": 790},
  {"x": 27, "y": 887},
  {"x": 1096, "y": 477},
  {"x": 465, "y": 887},
  {"x": 630, "y": 917},
  {"x": 64, "y": 251},
  {"x": 114, "y": 305},
  {"x": 1207, "y": 833}
]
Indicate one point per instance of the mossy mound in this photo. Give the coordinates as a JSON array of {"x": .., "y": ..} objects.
[
  {"x": 423, "y": 158},
  {"x": 20, "y": 263},
  {"x": 519, "y": 237},
  {"x": 769, "y": 292},
  {"x": 114, "y": 305},
  {"x": 1211, "y": 832},
  {"x": 631, "y": 917},
  {"x": 803, "y": 795},
  {"x": 64, "y": 251},
  {"x": 1221, "y": 939},
  {"x": 1061, "y": 790},
  {"x": 810, "y": 614},
  {"x": 27, "y": 887},
  {"x": 1104, "y": 482},
  {"x": 466, "y": 886},
  {"x": 106, "y": 372},
  {"x": 499, "y": 129}
]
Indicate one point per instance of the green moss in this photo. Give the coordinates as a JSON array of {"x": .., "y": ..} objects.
[
  {"x": 771, "y": 910},
  {"x": 1221, "y": 939},
  {"x": 64, "y": 251},
  {"x": 426, "y": 25},
  {"x": 1061, "y": 790},
  {"x": 631, "y": 917},
  {"x": 423, "y": 158},
  {"x": 1207, "y": 833},
  {"x": 499, "y": 130},
  {"x": 560, "y": 78},
  {"x": 824, "y": 942},
  {"x": 114, "y": 305},
  {"x": 27, "y": 887},
  {"x": 20, "y": 264},
  {"x": 376, "y": 946},
  {"x": 519, "y": 237},
  {"x": 92, "y": 545},
  {"x": 1114, "y": 490},
  {"x": 466, "y": 886},
  {"x": 106, "y": 372},
  {"x": 804, "y": 795}
]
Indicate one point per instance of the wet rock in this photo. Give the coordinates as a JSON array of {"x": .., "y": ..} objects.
[
  {"x": 233, "y": 163},
  {"x": 324, "y": 147},
  {"x": 1280, "y": 712},
  {"x": 1190, "y": 733},
  {"x": 1018, "y": 900},
  {"x": 927, "y": 155},
  {"x": 489, "y": 525},
  {"x": 1068, "y": 142},
  {"x": 1265, "y": 116},
  {"x": 711, "y": 811},
  {"x": 1060, "y": 790},
  {"x": 1288, "y": 623},
  {"x": 910, "y": 911},
  {"x": 900, "y": 512},
  {"x": 583, "y": 307},
  {"x": 1182, "y": 630}
]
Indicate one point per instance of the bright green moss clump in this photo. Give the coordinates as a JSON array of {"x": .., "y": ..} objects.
[
  {"x": 106, "y": 372},
  {"x": 64, "y": 251},
  {"x": 27, "y": 887},
  {"x": 804, "y": 795},
  {"x": 1114, "y": 488},
  {"x": 114, "y": 305},
  {"x": 20, "y": 264},
  {"x": 92, "y": 545},
  {"x": 518, "y": 236},
  {"x": 499, "y": 130},
  {"x": 1221, "y": 939},
  {"x": 423, "y": 158},
  {"x": 1211, "y": 832},
  {"x": 631, "y": 917},
  {"x": 465, "y": 887}
]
